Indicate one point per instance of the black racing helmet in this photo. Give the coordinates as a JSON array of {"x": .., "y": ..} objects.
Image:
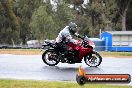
[{"x": 72, "y": 27}]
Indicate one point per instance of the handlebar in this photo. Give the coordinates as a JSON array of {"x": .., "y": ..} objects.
[{"x": 79, "y": 36}]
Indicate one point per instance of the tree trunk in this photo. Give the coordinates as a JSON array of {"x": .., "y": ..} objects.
[
  {"x": 123, "y": 21},
  {"x": 123, "y": 16},
  {"x": 92, "y": 16}
]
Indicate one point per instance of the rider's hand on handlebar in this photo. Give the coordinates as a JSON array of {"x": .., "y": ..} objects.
[
  {"x": 79, "y": 36},
  {"x": 76, "y": 34}
]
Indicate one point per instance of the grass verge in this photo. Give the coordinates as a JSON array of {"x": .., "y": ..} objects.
[
  {"x": 117, "y": 54},
  {"x": 21, "y": 51},
  {"x": 50, "y": 84},
  {"x": 38, "y": 52}
]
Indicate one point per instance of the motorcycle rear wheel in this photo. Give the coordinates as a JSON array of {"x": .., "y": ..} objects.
[
  {"x": 94, "y": 60},
  {"x": 49, "y": 58}
]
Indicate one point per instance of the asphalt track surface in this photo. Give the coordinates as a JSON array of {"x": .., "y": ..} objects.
[{"x": 31, "y": 67}]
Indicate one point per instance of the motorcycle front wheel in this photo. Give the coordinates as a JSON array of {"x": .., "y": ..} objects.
[
  {"x": 50, "y": 58},
  {"x": 93, "y": 60}
]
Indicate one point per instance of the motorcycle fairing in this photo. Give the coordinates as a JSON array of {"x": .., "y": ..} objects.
[{"x": 82, "y": 51}]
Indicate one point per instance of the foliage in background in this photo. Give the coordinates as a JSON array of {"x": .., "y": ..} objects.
[
  {"x": 42, "y": 24},
  {"x": 22, "y": 20},
  {"x": 24, "y": 10},
  {"x": 47, "y": 23},
  {"x": 9, "y": 23},
  {"x": 63, "y": 15}
]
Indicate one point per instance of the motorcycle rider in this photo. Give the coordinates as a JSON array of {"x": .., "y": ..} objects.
[{"x": 65, "y": 36}]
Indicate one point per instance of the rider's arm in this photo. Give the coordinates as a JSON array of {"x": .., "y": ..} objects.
[
  {"x": 76, "y": 34},
  {"x": 70, "y": 39},
  {"x": 79, "y": 36}
]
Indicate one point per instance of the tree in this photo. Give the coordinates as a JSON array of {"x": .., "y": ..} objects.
[
  {"x": 123, "y": 6},
  {"x": 46, "y": 19},
  {"x": 7, "y": 5},
  {"x": 42, "y": 24},
  {"x": 24, "y": 10},
  {"x": 15, "y": 22},
  {"x": 128, "y": 18},
  {"x": 63, "y": 15},
  {"x": 100, "y": 14},
  {"x": 22, "y": 20}
]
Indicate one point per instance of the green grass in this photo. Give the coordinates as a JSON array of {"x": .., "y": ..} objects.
[
  {"x": 50, "y": 84},
  {"x": 116, "y": 53},
  {"x": 21, "y": 51},
  {"x": 38, "y": 51}
]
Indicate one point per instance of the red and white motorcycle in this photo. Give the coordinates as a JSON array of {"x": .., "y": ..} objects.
[{"x": 76, "y": 53}]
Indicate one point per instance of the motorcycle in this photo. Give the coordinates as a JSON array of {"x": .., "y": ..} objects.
[{"x": 76, "y": 53}]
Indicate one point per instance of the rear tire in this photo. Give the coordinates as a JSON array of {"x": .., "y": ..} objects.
[
  {"x": 46, "y": 57},
  {"x": 94, "y": 60}
]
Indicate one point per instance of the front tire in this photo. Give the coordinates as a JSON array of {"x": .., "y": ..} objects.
[
  {"x": 50, "y": 58},
  {"x": 93, "y": 60}
]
